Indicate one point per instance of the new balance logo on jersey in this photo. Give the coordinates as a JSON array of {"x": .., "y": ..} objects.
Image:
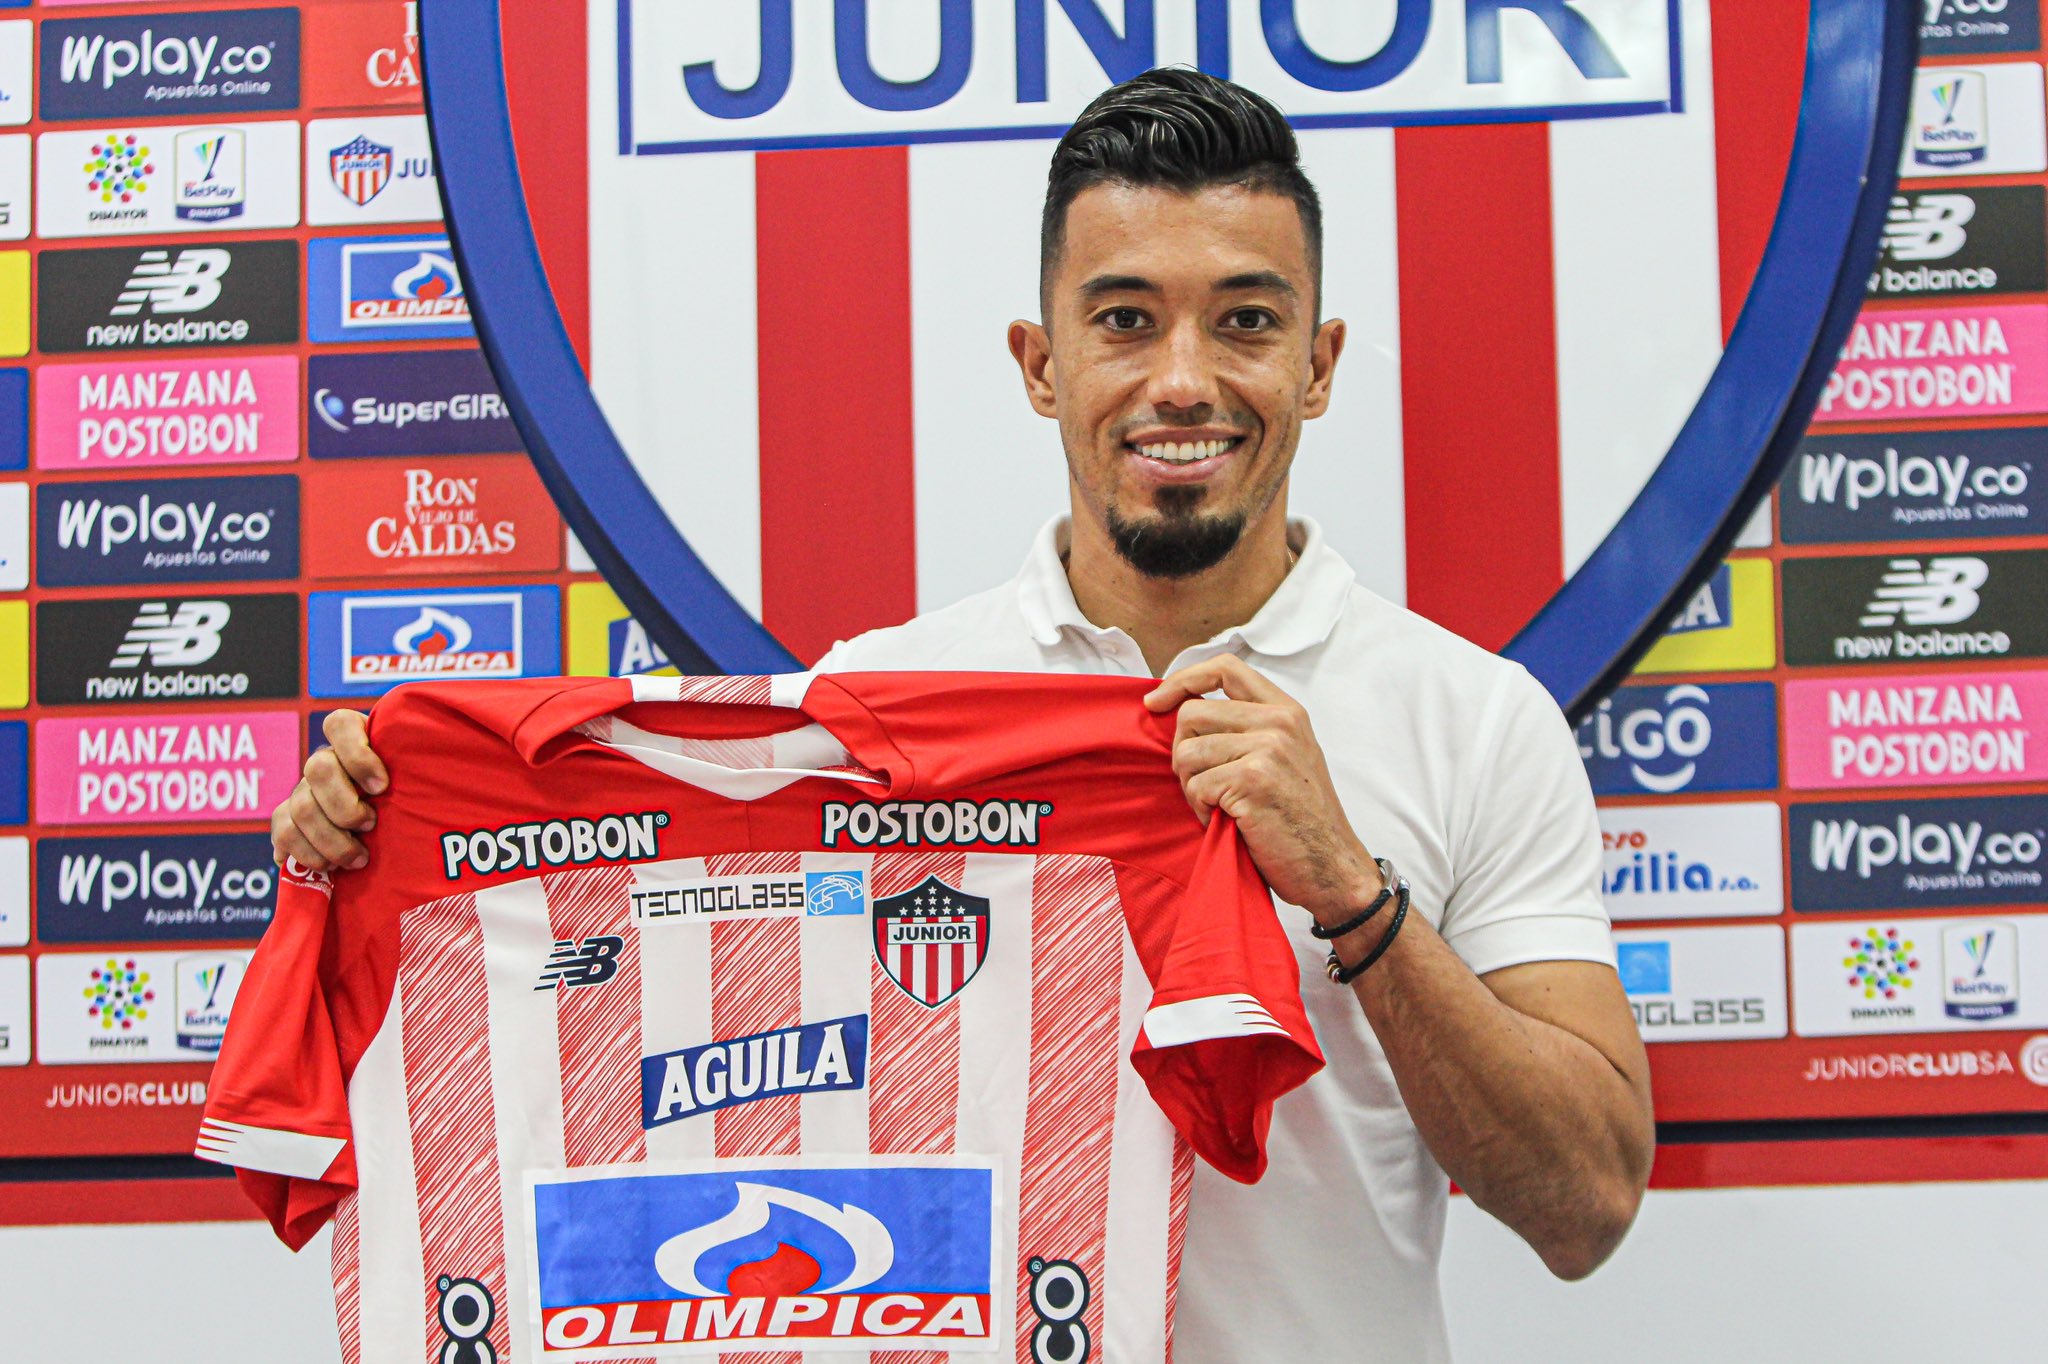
[
  {"x": 1942, "y": 593},
  {"x": 185, "y": 285},
  {"x": 180, "y": 639},
  {"x": 1928, "y": 226},
  {"x": 584, "y": 961},
  {"x": 809, "y": 1058},
  {"x": 552, "y": 843},
  {"x": 938, "y": 823}
]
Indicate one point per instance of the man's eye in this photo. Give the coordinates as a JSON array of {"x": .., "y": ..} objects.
[
  {"x": 1123, "y": 319},
  {"x": 1252, "y": 319}
]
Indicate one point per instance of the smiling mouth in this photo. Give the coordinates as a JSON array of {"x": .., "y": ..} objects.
[{"x": 1184, "y": 451}]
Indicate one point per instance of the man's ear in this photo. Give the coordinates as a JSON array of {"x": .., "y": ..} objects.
[
  {"x": 1032, "y": 349},
  {"x": 1323, "y": 353}
]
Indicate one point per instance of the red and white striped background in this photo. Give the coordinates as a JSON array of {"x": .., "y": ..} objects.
[{"x": 803, "y": 350}]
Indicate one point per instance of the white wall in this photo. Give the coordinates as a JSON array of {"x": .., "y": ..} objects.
[{"x": 1878, "y": 1275}]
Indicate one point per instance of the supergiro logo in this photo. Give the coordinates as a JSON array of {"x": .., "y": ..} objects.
[
  {"x": 415, "y": 402},
  {"x": 931, "y": 824},
  {"x": 534, "y": 844},
  {"x": 984, "y": 70},
  {"x": 1666, "y": 739},
  {"x": 221, "y": 62},
  {"x": 168, "y": 530},
  {"x": 1963, "y": 241},
  {"x": 1923, "y": 854},
  {"x": 1947, "y": 484}
]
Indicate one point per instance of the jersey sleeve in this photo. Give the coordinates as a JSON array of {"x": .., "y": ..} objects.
[
  {"x": 1225, "y": 1034},
  {"x": 277, "y": 1102},
  {"x": 1527, "y": 848}
]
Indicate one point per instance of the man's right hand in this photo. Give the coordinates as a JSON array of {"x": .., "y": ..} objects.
[{"x": 318, "y": 822}]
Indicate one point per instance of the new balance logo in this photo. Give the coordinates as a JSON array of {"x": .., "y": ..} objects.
[
  {"x": 180, "y": 639},
  {"x": 592, "y": 961},
  {"x": 1928, "y": 226},
  {"x": 1943, "y": 593},
  {"x": 185, "y": 285}
]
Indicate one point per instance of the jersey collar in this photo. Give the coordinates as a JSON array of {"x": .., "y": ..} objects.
[{"x": 1299, "y": 615}]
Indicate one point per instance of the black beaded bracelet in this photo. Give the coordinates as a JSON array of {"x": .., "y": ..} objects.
[
  {"x": 1344, "y": 975},
  {"x": 1388, "y": 876}
]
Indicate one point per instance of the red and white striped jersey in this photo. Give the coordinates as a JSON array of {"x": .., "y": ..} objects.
[{"x": 813, "y": 1014}]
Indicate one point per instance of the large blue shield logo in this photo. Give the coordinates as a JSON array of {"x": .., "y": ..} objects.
[{"x": 1728, "y": 450}]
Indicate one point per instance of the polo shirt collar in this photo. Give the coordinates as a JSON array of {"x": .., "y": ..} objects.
[{"x": 1299, "y": 615}]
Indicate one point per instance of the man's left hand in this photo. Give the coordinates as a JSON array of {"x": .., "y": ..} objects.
[{"x": 1253, "y": 756}]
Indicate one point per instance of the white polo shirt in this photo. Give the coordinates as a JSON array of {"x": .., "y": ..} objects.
[{"x": 1449, "y": 760}]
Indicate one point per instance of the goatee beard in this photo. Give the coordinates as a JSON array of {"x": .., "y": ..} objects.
[{"x": 1181, "y": 542}]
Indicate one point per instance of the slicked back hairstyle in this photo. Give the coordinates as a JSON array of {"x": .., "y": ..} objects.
[{"x": 1180, "y": 129}]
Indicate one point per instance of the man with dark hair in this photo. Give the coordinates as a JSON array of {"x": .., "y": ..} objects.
[{"x": 1418, "y": 801}]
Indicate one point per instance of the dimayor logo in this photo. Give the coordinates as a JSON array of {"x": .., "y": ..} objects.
[
  {"x": 1681, "y": 738},
  {"x": 859, "y": 1256},
  {"x": 817, "y": 84},
  {"x": 385, "y": 289},
  {"x": 1881, "y": 963},
  {"x": 1980, "y": 971},
  {"x": 116, "y": 174},
  {"x": 1951, "y": 125},
  {"x": 118, "y": 995}
]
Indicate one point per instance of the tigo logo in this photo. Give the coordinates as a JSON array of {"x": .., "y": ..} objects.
[
  {"x": 221, "y": 62},
  {"x": 1687, "y": 737},
  {"x": 385, "y": 289},
  {"x": 365, "y": 643},
  {"x": 854, "y": 1256}
]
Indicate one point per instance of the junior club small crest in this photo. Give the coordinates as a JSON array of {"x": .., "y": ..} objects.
[
  {"x": 931, "y": 939},
  {"x": 360, "y": 169}
]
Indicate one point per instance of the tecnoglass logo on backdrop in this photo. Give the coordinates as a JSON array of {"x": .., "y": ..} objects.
[{"x": 1017, "y": 67}]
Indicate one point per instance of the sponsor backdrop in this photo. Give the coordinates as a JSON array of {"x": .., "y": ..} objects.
[
  {"x": 1823, "y": 794},
  {"x": 236, "y": 366}
]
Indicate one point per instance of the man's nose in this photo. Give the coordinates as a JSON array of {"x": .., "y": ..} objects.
[{"x": 1183, "y": 375}]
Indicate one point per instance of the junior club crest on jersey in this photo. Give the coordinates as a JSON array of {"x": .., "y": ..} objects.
[
  {"x": 931, "y": 940},
  {"x": 360, "y": 169}
]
